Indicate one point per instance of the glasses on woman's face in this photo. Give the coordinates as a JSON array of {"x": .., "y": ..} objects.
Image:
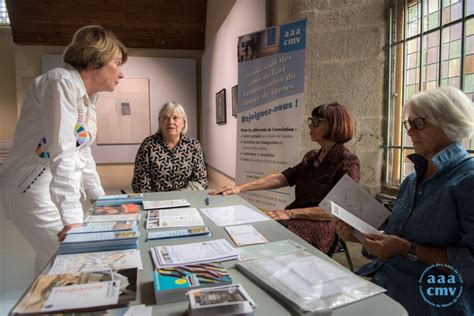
[
  {"x": 315, "y": 121},
  {"x": 170, "y": 118},
  {"x": 419, "y": 123}
]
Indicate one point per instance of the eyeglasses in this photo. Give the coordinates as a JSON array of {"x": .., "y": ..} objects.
[
  {"x": 314, "y": 121},
  {"x": 170, "y": 118},
  {"x": 419, "y": 123}
]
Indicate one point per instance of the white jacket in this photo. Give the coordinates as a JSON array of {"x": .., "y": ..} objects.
[{"x": 57, "y": 125}]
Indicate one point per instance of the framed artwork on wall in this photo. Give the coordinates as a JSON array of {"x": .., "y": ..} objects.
[
  {"x": 220, "y": 107},
  {"x": 234, "y": 101}
]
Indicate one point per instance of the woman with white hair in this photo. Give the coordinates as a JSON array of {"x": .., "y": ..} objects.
[
  {"x": 169, "y": 160},
  {"x": 430, "y": 232}
]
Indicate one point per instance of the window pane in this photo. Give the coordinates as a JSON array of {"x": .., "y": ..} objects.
[
  {"x": 413, "y": 22},
  {"x": 3, "y": 13},
  {"x": 438, "y": 56},
  {"x": 469, "y": 7},
  {"x": 431, "y": 15}
]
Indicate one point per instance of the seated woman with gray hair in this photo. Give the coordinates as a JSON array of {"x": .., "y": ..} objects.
[
  {"x": 430, "y": 233},
  {"x": 169, "y": 160}
]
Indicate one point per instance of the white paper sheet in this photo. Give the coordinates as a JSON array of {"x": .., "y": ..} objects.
[
  {"x": 214, "y": 250},
  {"x": 245, "y": 235},
  {"x": 354, "y": 198},
  {"x": 233, "y": 215},
  {"x": 352, "y": 220}
]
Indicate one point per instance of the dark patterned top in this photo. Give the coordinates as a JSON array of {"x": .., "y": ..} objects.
[
  {"x": 160, "y": 168},
  {"x": 313, "y": 184}
]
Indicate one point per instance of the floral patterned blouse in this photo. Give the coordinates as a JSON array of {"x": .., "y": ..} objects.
[
  {"x": 160, "y": 168},
  {"x": 313, "y": 184}
]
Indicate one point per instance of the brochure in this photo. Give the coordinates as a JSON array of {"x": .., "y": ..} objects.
[
  {"x": 202, "y": 252},
  {"x": 95, "y": 227},
  {"x": 222, "y": 300},
  {"x": 132, "y": 198},
  {"x": 172, "y": 283},
  {"x": 354, "y": 198},
  {"x": 114, "y": 209},
  {"x": 155, "y": 205},
  {"x": 112, "y": 218},
  {"x": 97, "y": 261},
  {"x": 179, "y": 217},
  {"x": 76, "y": 292},
  {"x": 190, "y": 232},
  {"x": 243, "y": 235}
]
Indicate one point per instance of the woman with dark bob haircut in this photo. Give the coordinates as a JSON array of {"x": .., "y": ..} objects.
[
  {"x": 330, "y": 125},
  {"x": 50, "y": 166}
]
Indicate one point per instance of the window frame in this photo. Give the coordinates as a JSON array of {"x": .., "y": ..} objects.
[{"x": 395, "y": 140}]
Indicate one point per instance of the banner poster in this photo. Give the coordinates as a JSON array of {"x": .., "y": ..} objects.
[{"x": 269, "y": 108}]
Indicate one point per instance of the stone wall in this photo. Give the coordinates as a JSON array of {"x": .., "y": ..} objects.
[{"x": 345, "y": 62}]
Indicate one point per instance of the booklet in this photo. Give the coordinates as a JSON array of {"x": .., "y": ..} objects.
[
  {"x": 115, "y": 209},
  {"x": 155, "y": 205},
  {"x": 79, "y": 292},
  {"x": 132, "y": 198},
  {"x": 97, "y": 261},
  {"x": 352, "y": 220},
  {"x": 172, "y": 283},
  {"x": 103, "y": 241},
  {"x": 354, "y": 198},
  {"x": 179, "y": 217},
  {"x": 201, "y": 252},
  {"x": 112, "y": 218},
  {"x": 233, "y": 215},
  {"x": 243, "y": 235},
  {"x": 222, "y": 300},
  {"x": 190, "y": 232},
  {"x": 103, "y": 227}
]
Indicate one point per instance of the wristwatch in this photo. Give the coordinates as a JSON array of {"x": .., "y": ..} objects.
[{"x": 412, "y": 252}]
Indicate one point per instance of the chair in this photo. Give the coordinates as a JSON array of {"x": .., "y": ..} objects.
[{"x": 340, "y": 245}]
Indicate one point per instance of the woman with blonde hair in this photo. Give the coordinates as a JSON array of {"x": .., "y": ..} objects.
[
  {"x": 170, "y": 160},
  {"x": 50, "y": 166}
]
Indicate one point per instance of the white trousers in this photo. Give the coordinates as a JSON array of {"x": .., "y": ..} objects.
[{"x": 35, "y": 216}]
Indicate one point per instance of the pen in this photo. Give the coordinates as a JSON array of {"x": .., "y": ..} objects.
[{"x": 206, "y": 200}]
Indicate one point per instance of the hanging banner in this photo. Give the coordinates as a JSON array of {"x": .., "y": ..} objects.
[{"x": 269, "y": 108}]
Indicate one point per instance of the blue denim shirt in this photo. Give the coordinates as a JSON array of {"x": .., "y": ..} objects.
[{"x": 437, "y": 212}]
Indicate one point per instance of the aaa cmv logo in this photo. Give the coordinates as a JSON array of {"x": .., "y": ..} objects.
[{"x": 440, "y": 288}]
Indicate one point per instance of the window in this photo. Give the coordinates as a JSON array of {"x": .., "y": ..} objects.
[
  {"x": 3, "y": 13},
  {"x": 431, "y": 45}
]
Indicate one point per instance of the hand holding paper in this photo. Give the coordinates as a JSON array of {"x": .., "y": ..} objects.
[{"x": 386, "y": 246}]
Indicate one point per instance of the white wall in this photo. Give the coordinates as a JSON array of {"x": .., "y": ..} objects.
[
  {"x": 171, "y": 79},
  {"x": 219, "y": 71}
]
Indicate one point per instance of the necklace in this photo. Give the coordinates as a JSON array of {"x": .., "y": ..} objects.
[{"x": 321, "y": 155}]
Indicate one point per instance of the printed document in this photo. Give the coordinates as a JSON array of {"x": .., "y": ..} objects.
[
  {"x": 154, "y": 205},
  {"x": 244, "y": 235},
  {"x": 97, "y": 261},
  {"x": 353, "y": 197},
  {"x": 209, "y": 251},
  {"x": 352, "y": 220}
]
